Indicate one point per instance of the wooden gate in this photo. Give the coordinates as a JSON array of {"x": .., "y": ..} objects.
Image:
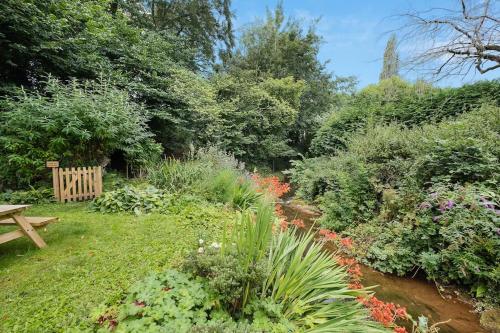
[{"x": 75, "y": 184}]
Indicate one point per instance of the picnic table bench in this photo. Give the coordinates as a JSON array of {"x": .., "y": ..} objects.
[{"x": 13, "y": 215}]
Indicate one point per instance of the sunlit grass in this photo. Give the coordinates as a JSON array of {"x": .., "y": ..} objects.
[{"x": 91, "y": 259}]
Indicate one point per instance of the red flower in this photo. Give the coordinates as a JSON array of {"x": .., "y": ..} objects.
[
  {"x": 283, "y": 224},
  {"x": 271, "y": 184},
  {"x": 327, "y": 234},
  {"x": 399, "y": 329},
  {"x": 347, "y": 242},
  {"x": 299, "y": 223},
  {"x": 278, "y": 210},
  {"x": 401, "y": 313}
]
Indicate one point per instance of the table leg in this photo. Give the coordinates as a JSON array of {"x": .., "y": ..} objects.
[{"x": 28, "y": 230}]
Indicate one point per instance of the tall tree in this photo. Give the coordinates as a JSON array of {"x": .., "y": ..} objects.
[
  {"x": 278, "y": 47},
  {"x": 391, "y": 59},
  {"x": 204, "y": 25}
]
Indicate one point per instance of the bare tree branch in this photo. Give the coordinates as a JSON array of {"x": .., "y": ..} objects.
[{"x": 453, "y": 41}]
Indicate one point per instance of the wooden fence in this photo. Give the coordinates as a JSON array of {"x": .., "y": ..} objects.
[{"x": 75, "y": 184}]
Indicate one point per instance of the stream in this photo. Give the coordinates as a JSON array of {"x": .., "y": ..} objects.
[{"x": 420, "y": 297}]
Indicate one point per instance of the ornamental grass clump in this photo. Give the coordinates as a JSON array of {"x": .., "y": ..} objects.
[{"x": 312, "y": 288}]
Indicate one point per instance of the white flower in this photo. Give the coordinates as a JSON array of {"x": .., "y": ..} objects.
[
  {"x": 201, "y": 241},
  {"x": 216, "y": 245},
  {"x": 201, "y": 250}
]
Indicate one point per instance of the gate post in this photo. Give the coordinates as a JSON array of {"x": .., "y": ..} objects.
[{"x": 54, "y": 165}]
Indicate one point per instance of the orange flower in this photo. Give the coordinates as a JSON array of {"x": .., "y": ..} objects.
[
  {"x": 278, "y": 210},
  {"x": 355, "y": 285},
  {"x": 401, "y": 313},
  {"x": 399, "y": 329},
  {"x": 327, "y": 234},
  {"x": 283, "y": 224},
  {"x": 347, "y": 242},
  {"x": 299, "y": 223},
  {"x": 271, "y": 184}
]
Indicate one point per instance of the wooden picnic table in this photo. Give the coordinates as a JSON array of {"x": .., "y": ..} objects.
[{"x": 13, "y": 215}]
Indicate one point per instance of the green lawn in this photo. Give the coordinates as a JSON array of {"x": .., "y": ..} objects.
[{"x": 91, "y": 259}]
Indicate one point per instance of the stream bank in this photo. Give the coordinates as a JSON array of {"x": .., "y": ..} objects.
[{"x": 420, "y": 297}]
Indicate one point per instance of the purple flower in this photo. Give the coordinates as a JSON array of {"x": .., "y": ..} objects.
[
  {"x": 450, "y": 204},
  {"x": 489, "y": 204},
  {"x": 434, "y": 195},
  {"x": 447, "y": 205}
]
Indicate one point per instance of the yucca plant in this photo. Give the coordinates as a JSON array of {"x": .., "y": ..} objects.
[{"x": 312, "y": 288}]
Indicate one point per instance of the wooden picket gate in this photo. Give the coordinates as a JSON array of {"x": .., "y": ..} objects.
[{"x": 75, "y": 184}]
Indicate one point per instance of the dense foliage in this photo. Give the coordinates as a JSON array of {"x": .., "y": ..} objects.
[
  {"x": 162, "y": 54},
  {"x": 132, "y": 199},
  {"x": 75, "y": 124},
  {"x": 394, "y": 100},
  {"x": 423, "y": 197},
  {"x": 278, "y": 47}
]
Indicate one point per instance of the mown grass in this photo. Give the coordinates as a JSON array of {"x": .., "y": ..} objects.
[{"x": 91, "y": 259}]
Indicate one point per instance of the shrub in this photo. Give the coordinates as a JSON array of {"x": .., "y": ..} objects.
[
  {"x": 467, "y": 245},
  {"x": 457, "y": 161},
  {"x": 170, "y": 301},
  {"x": 132, "y": 200},
  {"x": 176, "y": 176},
  {"x": 31, "y": 196},
  {"x": 351, "y": 197},
  {"x": 373, "y": 191},
  {"x": 311, "y": 176},
  {"x": 174, "y": 301},
  {"x": 395, "y": 101},
  {"x": 77, "y": 124},
  {"x": 225, "y": 275}
]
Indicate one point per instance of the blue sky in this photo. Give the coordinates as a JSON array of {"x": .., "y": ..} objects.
[{"x": 354, "y": 32}]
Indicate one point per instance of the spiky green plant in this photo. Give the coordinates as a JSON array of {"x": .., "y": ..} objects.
[
  {"x": 251, "y": 236},
  {"x": 312, "y": 288},
  {"x": 231, "y": 187},
  {"x": 176, "y": 176}
]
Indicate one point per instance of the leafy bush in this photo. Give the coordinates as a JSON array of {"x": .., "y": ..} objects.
[
  {"x": 374, "y": 189},
  {"x": 174, "y": 301},
  {"x": 77, "y": 124},
  {"x": 467, "y": 245},
  {"x": 132, "y": 200},
  {"x": 224, "y": 274},
  {"x": 32, "y": 196},
  {"x": 174, "y": 175},
  {"x": 458, "y": 161},
  {"x": 170, "y": 301},
  {"x": 395, "y": 101},
  {"x": 351, "y": 198}
]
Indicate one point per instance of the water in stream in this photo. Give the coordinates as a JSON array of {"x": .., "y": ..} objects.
[{"x": 420, "y": 297}]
